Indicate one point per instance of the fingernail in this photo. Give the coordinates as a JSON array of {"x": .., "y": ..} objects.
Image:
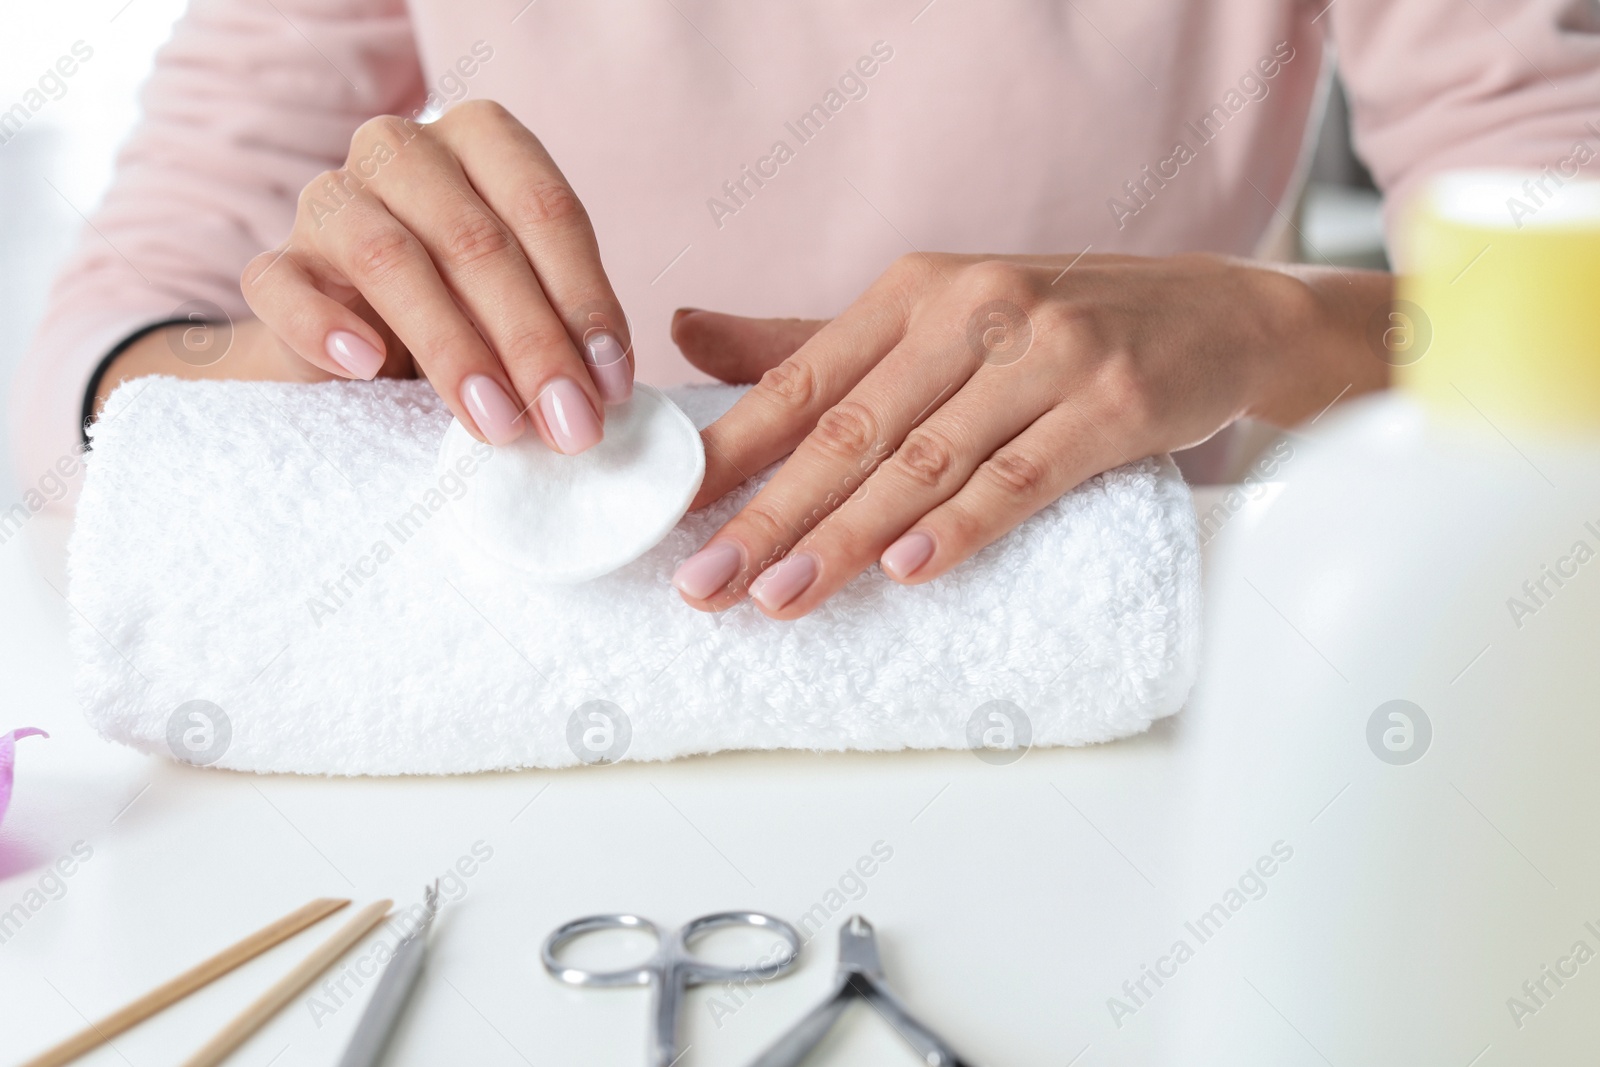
[
  {"x": 567, "y": 412},
  {"x": 354, "y": 354},
  {"x": 608, "y": 366},
  {"x": 902, "y": 558},
  {"x": 495, "y": 413},
  {"x": 708, "y": 570},
  {"x": 784, "y": 580}
]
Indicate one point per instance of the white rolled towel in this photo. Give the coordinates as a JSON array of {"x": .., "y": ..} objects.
[{"x": 268, "y": 577}]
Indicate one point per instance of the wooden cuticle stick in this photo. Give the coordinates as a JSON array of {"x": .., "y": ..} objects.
[
  {"x": 289, "y": 986},
  {"x": 201, "y": 974}
]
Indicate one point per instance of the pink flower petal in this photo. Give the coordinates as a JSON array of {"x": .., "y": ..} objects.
[{"x": 8, "y": 759}]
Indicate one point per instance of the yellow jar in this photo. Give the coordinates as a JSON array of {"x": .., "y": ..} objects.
[{"x": 1497, "y": 319}]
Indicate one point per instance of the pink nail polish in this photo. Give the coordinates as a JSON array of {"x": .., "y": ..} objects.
[
  {"x": 571, "y": 420},
  {"x": 784, "y": 580},
  {"x": 496, "y": 414},
  {"x": 608, "y": 366},
  {"x": 905, "y": 556},
  {"x": 705, "y": 573},
  {"x": 353, "y": 353}
]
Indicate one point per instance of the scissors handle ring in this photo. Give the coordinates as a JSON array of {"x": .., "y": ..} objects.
[
  {"x": 558, "y": 939},
  {"x": 707, "y": 972}
]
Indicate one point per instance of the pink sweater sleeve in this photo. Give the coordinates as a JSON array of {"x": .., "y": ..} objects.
[
  {"x": 1437, "y": 84},
  {"x": 248, "y": 101}
]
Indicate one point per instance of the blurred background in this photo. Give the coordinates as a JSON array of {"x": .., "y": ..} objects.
[
  {"x": 58, "y": 163},
  {"x": 54, "y": 169}
]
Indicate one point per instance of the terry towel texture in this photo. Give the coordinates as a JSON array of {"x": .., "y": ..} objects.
[{"x": 285, "y": 553}]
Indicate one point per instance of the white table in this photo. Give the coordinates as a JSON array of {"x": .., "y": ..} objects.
[
  {"x": 1003, "y": 885},
  {"x": 1016, "y": 902}
]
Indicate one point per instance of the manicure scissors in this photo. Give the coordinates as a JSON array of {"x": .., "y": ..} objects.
[
  {"x": 673, "y": 968},
  {"x": 860, "y": 977}
]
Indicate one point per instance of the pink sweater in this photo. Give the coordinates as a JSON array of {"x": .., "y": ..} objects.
[{"x": 771, "y": 158}]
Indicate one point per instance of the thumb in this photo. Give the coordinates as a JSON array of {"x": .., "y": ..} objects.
[{"x": 736, "y": 349}]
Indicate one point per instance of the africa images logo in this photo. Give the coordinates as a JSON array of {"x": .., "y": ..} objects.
[{"x": 198, "y": 732}]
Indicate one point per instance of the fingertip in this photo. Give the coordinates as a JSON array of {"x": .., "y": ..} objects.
[
  {"x": 782, "y": 584},
  {"x": 707, "y": 493},
  {"x": 706, "y": 573},
  {"x": 572, "y": 420},
  {"x": 358, "y": 357},
  {"x": 608, "y": 365},
  {"x": 714, "y": 486},
  {"x": 491, "y": 408},
  {"x": 682, "y": 322},
  {"x": 908, "y": 555}
]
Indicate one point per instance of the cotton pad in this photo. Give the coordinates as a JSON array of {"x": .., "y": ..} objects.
[{"x": 563, "y": 519}]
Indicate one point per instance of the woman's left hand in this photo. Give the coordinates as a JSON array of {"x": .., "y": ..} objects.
[{"x": 961, "y": 394}]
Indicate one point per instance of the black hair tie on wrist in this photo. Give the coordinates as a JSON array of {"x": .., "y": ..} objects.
[{"x": 100, "y": 369}]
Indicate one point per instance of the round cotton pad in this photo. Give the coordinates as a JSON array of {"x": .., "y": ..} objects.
[{"x": 565, "y": 519}]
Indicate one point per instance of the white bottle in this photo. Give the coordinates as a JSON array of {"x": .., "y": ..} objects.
[{"x": 1403, "y": 679}]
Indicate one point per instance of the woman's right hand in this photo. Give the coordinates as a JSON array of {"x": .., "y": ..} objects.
[{"x": 461, "y": 244}]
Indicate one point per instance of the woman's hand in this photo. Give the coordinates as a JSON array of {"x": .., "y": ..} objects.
[
  {"x": 457, "y": 247},
  {"x": 961, "y": 394}
]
